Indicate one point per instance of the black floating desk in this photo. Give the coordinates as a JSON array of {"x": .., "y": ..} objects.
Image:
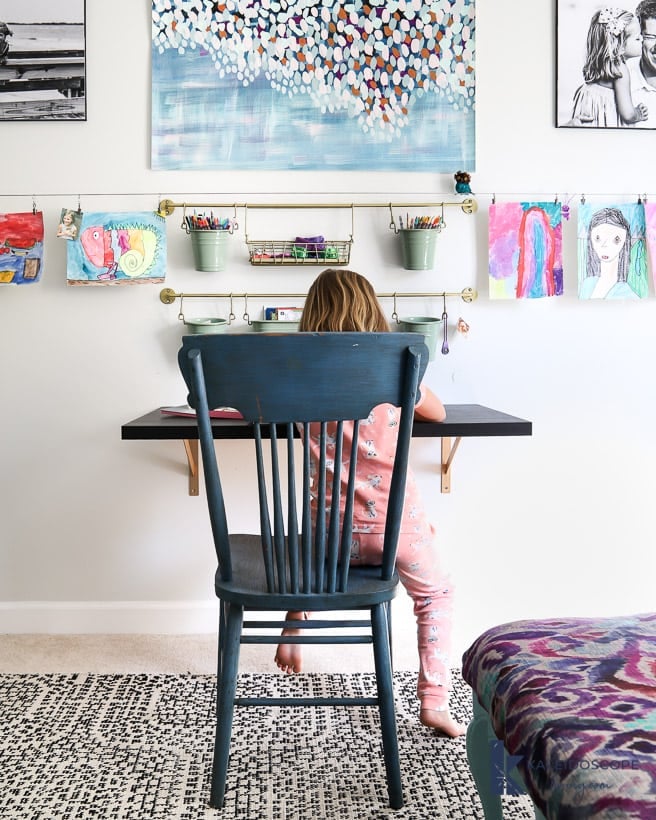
[{"x": 462, "y": 421}]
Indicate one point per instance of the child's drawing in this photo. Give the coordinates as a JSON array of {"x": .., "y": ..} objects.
[
  {"x": 118, "y": 248},
  {"x": 650, "y": 219},
  {"x": 525, "y": 250},
  {"x": 611, "y": 252},
  {"x": 21, "y": 248}
]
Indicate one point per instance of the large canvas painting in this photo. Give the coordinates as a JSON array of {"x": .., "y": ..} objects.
[
  {"x": 313, "y": 86},
  {"x": 612, "y": 255},
  {"x": 118, "y": 249},
  {"x": 42, "y": 60},
  {"x": 606, "y": 58},
  {"x": 525, "y": 250}
]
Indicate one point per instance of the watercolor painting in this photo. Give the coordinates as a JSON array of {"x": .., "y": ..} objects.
[
  {"x": 313, "y": 86},
  {"x": 606, "y": 65},
  {"x": 612, "y": 258},
  {"x": 42, "y": 60},
  {"x": 118, "y": 249},
  {"x": 21, "y": 248},
  {"x": 525, "y": 250},
  {"x": 650, "y": 223}
]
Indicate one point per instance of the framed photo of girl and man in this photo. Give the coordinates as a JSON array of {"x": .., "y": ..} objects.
[{"x": 606, "y": 64}]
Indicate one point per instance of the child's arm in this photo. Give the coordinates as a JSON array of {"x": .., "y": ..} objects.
[
  {"x": 429, "y": 407},
  {"x": 628, "y": 112}
]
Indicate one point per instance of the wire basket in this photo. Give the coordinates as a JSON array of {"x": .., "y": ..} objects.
[{"x": 291, "y": 252}]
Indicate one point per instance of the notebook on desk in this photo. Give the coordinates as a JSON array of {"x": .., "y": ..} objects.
[{"x": 217, "y": 413}]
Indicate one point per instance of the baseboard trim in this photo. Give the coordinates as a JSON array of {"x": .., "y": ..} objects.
[{"x": 108, "y": 617}]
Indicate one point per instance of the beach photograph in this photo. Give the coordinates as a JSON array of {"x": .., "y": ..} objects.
[{"x": 42, "y": 60}]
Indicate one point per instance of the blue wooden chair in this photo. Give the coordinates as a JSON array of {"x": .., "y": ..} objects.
[{"x": 280, "y": 383}]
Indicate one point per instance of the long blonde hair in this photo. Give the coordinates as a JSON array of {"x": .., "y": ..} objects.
[
  {"x": 342, "y": 300},
  {"x": 606, "y": 45}
]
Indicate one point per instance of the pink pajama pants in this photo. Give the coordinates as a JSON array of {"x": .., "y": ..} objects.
[{"x": 432, "y": 593}]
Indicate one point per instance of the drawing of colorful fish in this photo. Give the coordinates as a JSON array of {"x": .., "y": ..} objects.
[{"x": 130, "y": 250}]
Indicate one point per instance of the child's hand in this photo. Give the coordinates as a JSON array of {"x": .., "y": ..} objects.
[{"x": 641, "y": 112}]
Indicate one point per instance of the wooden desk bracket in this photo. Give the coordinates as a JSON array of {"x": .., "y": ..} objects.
[
  {"x": 448, "y": 453},
  {"x": 191, "y": 449}
]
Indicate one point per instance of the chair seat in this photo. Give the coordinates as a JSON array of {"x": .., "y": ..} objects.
[
  {"x": 575, "y": 700},
  {"x": 248, "y": 585}
]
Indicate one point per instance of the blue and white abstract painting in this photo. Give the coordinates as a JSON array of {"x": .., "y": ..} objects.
[{"x": 302, "y": 85}]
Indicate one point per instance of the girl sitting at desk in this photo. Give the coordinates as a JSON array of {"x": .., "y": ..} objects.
[{"x": 342, "y": 300}]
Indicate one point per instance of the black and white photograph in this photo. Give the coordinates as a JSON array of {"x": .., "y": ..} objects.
[
  {"x": 606, "y": 65},
  {"x": 42, "y": 60}
]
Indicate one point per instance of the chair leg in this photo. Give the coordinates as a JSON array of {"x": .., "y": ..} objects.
[
  {"x": 479, "y": 738},
  {"x": 222, "y": 626},
  {"x": 388, "y": 613},
  {"x": 382, "y": 659},
  {"x": 225, "y": 697}
]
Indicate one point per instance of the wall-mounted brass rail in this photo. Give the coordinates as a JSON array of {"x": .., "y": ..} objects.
[
  {"x": 448, "y": 448},
  {"x": 168, "y": 295},
  {"x": 167, "y": 206}
]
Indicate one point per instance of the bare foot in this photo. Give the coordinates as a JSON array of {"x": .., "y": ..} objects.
[
  {"x": 289, "y": 658},
  {"x": 442, "y": 722}
]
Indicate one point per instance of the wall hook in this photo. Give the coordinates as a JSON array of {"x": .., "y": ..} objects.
[
  {"x": 392, "y": 222},
  {"x": 395, "y": 315},
  {"x": 445, "y": 327}
]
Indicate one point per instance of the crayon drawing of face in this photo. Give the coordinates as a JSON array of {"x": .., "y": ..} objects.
[
  {"x": 609, "y": 244},
  {"x": 608, "y": 241}
]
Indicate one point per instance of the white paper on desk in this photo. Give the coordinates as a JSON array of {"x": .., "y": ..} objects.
[{"x": 186, "y": 410}]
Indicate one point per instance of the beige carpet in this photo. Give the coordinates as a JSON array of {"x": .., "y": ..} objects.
[{"x": 164, "y": 655}]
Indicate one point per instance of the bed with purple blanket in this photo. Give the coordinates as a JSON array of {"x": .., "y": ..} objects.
[{"x": 573, "y": 701}]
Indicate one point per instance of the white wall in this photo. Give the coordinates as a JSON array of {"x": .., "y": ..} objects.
[{"x": 99, "y": 534}]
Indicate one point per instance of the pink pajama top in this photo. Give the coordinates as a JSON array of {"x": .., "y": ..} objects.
[{"x": 376, "y": 447}]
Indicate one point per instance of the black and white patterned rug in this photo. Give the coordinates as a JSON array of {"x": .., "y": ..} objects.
[{"x": 138, "y": 747}]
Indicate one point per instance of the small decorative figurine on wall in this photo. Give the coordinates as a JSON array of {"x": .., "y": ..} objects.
[
  {"x": 463, "y": 180},
  {"x": 462, "y": 327}
]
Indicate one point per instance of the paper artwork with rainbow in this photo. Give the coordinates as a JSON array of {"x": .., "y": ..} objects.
[{"x": 525, "y": 250}]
